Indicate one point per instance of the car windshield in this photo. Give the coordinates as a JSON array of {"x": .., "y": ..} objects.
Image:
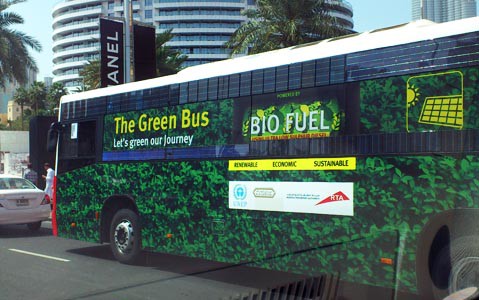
[{"x": 15, "y": 183}]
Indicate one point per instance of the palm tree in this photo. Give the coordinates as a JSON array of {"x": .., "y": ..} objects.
[
  {"x": 276, "y": 24},
  {"x": 55, "y": 92},
  {"x": 38, "y": 94},
  {"x": 22, "y": 98},
  {"x": 91, "y": 75},
  {"x": 168, "y": 60},
  {"x": 14, "y": 57}
]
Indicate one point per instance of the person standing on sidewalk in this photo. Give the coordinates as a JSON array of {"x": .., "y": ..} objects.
[
  {"x": 48, "y": 180},
  {"x": 31, "y": 175}
]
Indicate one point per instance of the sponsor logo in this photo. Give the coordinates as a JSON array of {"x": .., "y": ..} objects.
[
  {"x": 264, "y": 193},
  {"x": 336, "y": 197},
  {"x": 239, "y": 192}
]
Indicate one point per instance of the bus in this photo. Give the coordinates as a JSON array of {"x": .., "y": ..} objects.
[{"x": 355, "y": 157}]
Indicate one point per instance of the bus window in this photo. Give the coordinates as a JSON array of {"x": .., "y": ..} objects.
[
  {"x": 77, "y": 145},
  {"x": 86, "y": 140}
]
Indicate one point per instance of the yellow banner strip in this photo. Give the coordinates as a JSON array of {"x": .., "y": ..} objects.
[{"x": 302, "y": 164}]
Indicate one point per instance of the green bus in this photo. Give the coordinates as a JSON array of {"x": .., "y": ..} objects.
[{"x": 354, "y": 157}]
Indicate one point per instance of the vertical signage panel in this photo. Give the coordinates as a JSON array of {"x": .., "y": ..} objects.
[
  {"x": 112, "y": 68},
  {"x": 144, "y": 52}
]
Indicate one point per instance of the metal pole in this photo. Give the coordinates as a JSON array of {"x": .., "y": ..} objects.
[{"x": 127, "y": 16}]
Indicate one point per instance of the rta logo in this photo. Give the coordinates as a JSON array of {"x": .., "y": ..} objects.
[{"x": 336, "y": 197}]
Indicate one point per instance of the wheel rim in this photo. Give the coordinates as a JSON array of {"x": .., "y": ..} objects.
[
  {"x": 124, "y": 236},
  {"x": 464, "y": 275}
]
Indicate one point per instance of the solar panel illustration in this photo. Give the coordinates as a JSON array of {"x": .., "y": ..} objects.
[{"x": 443, "y": 110}]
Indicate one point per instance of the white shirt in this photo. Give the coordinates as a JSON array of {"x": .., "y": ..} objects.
[{"x": 49, "y": 182}]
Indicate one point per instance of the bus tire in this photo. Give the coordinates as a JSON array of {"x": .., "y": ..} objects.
[
  {"x": 458, "y": 264},
  {"x": 447, "y": 257},
  {"x": 125, "y": 236}
]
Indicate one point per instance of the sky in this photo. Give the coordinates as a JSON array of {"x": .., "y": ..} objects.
[
  {"x": 368, "y": 15},
  {"x": 37, "y": 15}
]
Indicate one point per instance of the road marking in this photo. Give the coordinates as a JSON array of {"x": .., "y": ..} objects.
[{"x": 39, "y": 255}]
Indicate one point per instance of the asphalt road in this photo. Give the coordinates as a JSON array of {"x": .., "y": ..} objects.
[{"x": 40, "y": 266}]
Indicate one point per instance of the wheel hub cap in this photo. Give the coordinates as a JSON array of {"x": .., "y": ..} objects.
[{"x": 124, "y": 236}]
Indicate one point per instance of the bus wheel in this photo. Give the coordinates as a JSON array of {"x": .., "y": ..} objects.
[
  {"x": 125, "y": 236},
  {"x": 458, "y": 264}
]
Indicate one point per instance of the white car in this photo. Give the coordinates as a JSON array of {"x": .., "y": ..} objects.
[{"x": 21, "y": 202}]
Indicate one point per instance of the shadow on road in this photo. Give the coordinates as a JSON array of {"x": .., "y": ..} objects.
[
  {"x": 100, "y": 251},
  {"x": 246, "y": 278},
  {"x": 237, "y": 274},
  {"x": 21, "y": 231}
]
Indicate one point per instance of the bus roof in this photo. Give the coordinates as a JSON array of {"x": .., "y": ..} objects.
[{"x": 391, "y": 36}]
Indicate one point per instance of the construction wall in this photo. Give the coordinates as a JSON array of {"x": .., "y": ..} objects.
[{"x": 14, "y": 152}]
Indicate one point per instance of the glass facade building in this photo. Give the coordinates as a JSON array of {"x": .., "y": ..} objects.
[
  {"x": 443, "y": 10},
  {"x": 201, "y": 27}
]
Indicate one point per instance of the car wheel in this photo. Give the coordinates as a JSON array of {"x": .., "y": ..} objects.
[
  {"x": 125, "y": 236},
  {"x": 34, "y": 226}
]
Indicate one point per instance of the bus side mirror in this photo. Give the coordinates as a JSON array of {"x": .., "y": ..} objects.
[{"x": 52, "y": 137}]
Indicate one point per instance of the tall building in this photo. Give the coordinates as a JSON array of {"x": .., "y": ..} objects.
[
  {"x": 7, "y": 92},
  {"x": 443, "y": 10},
  {"x": 200, "y": 27},
  {"x": 15, "y": 111}
]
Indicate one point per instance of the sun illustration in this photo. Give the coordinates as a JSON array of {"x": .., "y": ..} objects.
[
  {"x": 412, "y": 95},
  {"x": 260, "y": 113},
  {"x": 304, "y": 108}
]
